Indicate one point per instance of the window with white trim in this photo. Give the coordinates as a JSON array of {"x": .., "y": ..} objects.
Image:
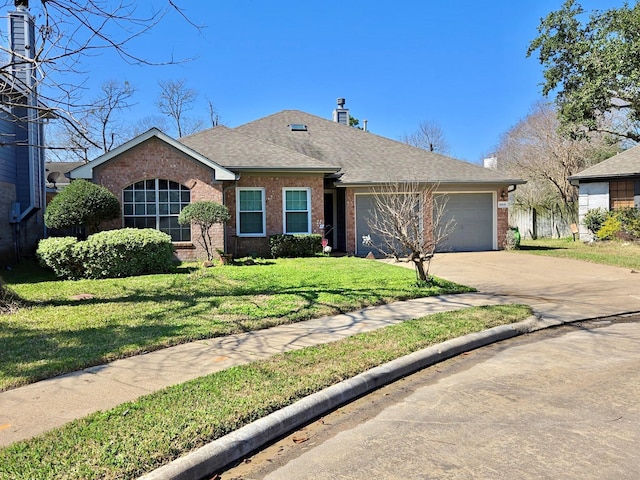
[
  {"x": 156, "y": 204},
  {"x": 250, "y": 217},
  {"x": 296, "y": 206}
]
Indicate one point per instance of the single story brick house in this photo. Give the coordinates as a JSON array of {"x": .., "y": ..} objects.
[
  {"x": 611, "y": 184},
  {"x": 291, "y": 172}
]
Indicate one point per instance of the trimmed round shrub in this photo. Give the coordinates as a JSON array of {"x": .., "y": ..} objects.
[
  {"x": 110, "y": 254},
  {"x": 204, "y": 215},
  {"x": 125, "y": 252},
  {"x": 58, "y": 254},
  {"x": 81, "y": 204}
]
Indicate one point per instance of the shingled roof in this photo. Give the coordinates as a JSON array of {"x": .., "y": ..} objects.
[
  {"x": 237, "y": 151},
  {"x": 625, "y": 164},
  {"x": 364, "y": 157}
]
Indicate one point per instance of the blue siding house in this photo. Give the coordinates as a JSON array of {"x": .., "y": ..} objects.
[{"x": 22, "y": 171}]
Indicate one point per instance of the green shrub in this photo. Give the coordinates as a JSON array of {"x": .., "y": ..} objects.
[
  {"x": 81, "y": 204},
  {"x": 594, "y": 219},
  {"x": 630, "y": 221},
  {"x": 110, "y": 254},
  {"x": 292, "y": 246},
  {"x": 204, "y": 214},
  {"x": 610, "y": 228},
  {"x": 58, "y": 254}
]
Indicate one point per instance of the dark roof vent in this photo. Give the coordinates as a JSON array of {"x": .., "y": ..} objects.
[{"x": 298, "y": 127}]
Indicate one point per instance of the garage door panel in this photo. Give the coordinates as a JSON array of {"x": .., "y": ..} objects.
[{"x": 472, "y": 214}]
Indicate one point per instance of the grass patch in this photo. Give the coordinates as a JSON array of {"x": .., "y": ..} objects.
[
  {"x": 59, "y": 332},
  {"x": 614, "y": 253},
  {"x": 139, "y": 436}
]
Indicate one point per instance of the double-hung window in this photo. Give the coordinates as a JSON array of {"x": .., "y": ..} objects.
[
  {"x": 296, "y": 206},
  {"x": 156, "y": 204},
  {"x": 250, "y": 214}
]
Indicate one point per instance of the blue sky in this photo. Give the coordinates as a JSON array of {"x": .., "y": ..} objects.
[{"x": 459, "y": 63}]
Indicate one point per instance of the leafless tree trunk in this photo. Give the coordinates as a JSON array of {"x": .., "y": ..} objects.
[
  {"x": 175, "y": 100},
  {"x": 429, "y": 136},
  {"x": 408, "y": 224},
  {"x": 102, "y": 129}
]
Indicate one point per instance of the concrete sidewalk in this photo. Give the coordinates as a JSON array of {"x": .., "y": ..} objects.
[{"x": 42, "y": 406}]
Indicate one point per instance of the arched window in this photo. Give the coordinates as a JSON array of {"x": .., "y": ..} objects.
[{"x": 156, "y": 204}]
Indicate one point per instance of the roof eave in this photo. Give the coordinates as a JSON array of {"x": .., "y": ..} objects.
[
  {"x": 601, "y": 177},
  {"x": 323, "y": 170},
  {"x": 434, "y": 182}
]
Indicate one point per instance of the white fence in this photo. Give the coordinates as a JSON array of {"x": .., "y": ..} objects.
[{"x": 539, "y": 223}]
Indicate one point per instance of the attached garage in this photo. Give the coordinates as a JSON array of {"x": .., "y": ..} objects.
[
  {"x": 474, "y": 224},
  {"x": 365, "y": 205},
  {"x": 472, "y": 215}
]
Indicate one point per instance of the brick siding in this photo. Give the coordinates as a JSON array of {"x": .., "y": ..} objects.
[
  {"x": 155, "y": 159},
  {"x": 273, "y": 185}
]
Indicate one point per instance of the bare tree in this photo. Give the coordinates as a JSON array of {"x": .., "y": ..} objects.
[
  {"x": 429, "y": 136},
  {"x": 68, "y": 31},
  {"x": 535, "y": 150},
  {"x": 175, "y": 101},
  {"x": 214, "y": 116},
  {"x": 102, "y": 126},
  {"x": 408, "y": 223}
]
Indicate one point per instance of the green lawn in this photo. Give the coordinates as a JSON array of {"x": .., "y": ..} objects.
[
  {"x": 137, "y": 437},
  {"x": 59, "y": 332},
  {"x": 615, "y": 253}
]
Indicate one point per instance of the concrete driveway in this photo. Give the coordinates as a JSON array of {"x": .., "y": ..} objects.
[
  {"x": 556, "y": 288},
  {"x": 560, "y": 403}
]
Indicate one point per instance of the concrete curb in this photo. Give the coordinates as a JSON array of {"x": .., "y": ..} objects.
[{"x": 238, "y": 444}]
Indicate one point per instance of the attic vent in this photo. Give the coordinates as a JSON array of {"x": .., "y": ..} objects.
[{"x": 298, "y": 127}]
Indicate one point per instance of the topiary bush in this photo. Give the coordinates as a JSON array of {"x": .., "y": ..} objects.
[
  {"x": 292, "y": 246},
  {"x": 110, "y": 254},
  {"x": 204, "y": 214},
  {"x": 81, "y": 204}
]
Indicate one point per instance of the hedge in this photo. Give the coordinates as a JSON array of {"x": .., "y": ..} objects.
[
  {"x": 109, "y": 254},
  {"x": 298, "y": 245}
]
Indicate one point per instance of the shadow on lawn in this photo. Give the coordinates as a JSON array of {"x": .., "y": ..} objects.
[{"x": 541, "y": 248}]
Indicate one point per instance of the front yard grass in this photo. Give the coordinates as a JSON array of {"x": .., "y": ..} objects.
[
  {"x": 137, "y": 437},
  {"x": 70, "y": 325},
  {"x": 615, "y": 253}
]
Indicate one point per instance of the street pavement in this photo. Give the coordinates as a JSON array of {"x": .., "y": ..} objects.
[{"x": 561, "y": 404}]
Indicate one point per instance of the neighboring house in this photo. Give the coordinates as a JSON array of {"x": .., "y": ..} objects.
[
  {"x": 292, "y": 172},
  {"x": 57, "y": 176},
  {"x": 22, "y": 185},
  {"x": 611, "y": 184}
]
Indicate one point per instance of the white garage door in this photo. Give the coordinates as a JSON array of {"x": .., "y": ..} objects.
[{"x": 473, "y": 217}]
